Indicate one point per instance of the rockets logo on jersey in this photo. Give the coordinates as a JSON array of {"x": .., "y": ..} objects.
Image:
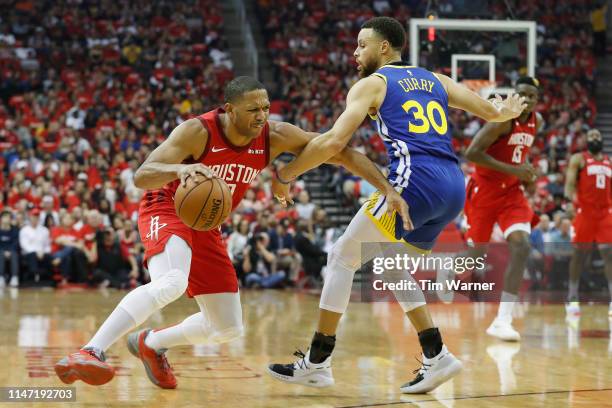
[{"x": 154, "y": 228}]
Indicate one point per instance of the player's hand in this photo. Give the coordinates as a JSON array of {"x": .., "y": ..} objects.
[
  {"x": 509, "y": 108},
  {"x": 530, "y": 188},
  {"x": 395, "y": 202},
  {"x": 281, "y": 192},
  {"x": 193, "y": 171},
  {"x": 525, "y": 172}
]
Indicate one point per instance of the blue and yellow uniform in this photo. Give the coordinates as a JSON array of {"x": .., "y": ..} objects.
[{"x": 413, "y": 123}]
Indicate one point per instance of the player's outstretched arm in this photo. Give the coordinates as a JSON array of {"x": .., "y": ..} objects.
[
  {"x": 497, "y": 110},
  {"x": 365, "y": 94},
  {"x": 287, "y": 138},
  {"x": 477, "y": 152},
  {"x": 187, "y": 140},
  {"x": 572, "y": 175}
]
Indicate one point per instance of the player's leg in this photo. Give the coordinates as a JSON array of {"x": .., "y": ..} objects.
[
  {"x": 219, "y": 321},
  {"x": 439, "y": 365},
  {"x": 169, "y": 271},
  {"x": 515, "y": 221},
  {"x": 214, "y": 285},
  {"x": 604, "y": 239},
  {"x": 372, "y": 224},
  {"x": 519, "y": 247},
  {"x": 606, "y": 254},
  {"x": 579, "y": 256},
  {"x": 345, "y": 257},
  {"x": 584, "y": 236}
]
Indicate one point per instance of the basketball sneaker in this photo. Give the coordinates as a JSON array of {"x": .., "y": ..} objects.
[
  {"x": 572, "y": 308},
  {"x": 610, "y": 311},
  {"x": 433, "y": 372},
  {"x": 502, "y": 329},
  {"x": 304, "y": 372},
  {"x": 155, "y": 362},
  {"x": 87, "y": 365},
  {"x": 14, "y": 283}
]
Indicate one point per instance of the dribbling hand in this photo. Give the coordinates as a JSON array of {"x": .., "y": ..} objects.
[{"x": 193, "y": 170}]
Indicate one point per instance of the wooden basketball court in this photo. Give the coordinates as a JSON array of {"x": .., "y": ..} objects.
[{"x": 556, "y": 364}]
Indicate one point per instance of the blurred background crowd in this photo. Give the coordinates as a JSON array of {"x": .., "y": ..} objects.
[{"x": 89, "y": 88}]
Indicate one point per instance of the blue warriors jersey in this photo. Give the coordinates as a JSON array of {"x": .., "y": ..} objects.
[
  {"x": 413, "y": 123},
  {"x": 413, "y": 119}
]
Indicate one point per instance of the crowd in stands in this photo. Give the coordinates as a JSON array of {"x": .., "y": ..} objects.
[{"x": 88, "y": 89}]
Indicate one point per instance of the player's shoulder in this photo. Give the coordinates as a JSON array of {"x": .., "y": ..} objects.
[
  {"x": 190, "y": 135},
  {"x": 278, "y": 128},
  {"x": 577, "y": 159},
  {"x": 193, "y": 125}
]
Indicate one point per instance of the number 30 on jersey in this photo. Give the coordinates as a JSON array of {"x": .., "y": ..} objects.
[{"x": 426, "y": 118}]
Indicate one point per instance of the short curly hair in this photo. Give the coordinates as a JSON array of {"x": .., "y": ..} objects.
[{"x": 388, "y": 28}]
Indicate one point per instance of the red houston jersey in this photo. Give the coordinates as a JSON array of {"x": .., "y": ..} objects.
[
  {"x": 238, "y": 166},
  {"x": 512, "y": 148},
  {"x": 594, "y": 188}
]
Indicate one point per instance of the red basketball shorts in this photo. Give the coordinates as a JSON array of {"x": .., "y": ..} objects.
[
  {"x": 211, "y": 269},
  {"x": 593, "y": 226},
  {"x": 487, "y": 204}
]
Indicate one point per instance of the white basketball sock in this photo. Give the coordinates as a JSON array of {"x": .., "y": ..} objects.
[
  {"x": 116, "y": 325},
  {"x": 506, "y": 306}
]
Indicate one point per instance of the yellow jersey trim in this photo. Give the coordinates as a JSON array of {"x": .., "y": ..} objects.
[
  {"x": 386, "y": 224},
  {"x": 384, "y": 78},
  {"x": 398, "y": 66}
]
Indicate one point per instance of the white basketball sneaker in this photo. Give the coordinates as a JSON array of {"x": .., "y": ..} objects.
[
  {"x": 502, "y": 329},
  {"x": 572, "y": 309},
  {"x": 434, "y": 372},
  {"x": 14, "y": 283},
  {"x": 304, "y": 372},
  {"x": 610, "y": 311}
]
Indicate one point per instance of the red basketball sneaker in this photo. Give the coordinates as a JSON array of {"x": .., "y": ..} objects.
[
  {"x": 87, "y": 365},
  {"x": 155, "y": 363}
]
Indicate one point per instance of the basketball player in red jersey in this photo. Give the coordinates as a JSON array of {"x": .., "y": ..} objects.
[
  {"x": 235, "y": 144},
  {"x": 588, "y": 185},
  {"x": 495, "y": 195}
]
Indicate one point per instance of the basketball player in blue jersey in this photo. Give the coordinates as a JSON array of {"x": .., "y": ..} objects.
[{"x": 410, "y": 108}]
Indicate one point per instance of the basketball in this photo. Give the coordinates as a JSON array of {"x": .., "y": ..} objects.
[{"x": 203, "y": 204}]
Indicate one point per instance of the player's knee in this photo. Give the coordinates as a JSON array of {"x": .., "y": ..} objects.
[
  {"x": 228, "y": 334},
  {"x": 169, "y": 287},
  {"x": 520, "y": 246},
  {"x": 346, "y": 253}
]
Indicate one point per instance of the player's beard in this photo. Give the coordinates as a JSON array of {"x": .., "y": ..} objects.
[
  {"x": 595, "y": 146},
  {"x": 368, "y": 68}
]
